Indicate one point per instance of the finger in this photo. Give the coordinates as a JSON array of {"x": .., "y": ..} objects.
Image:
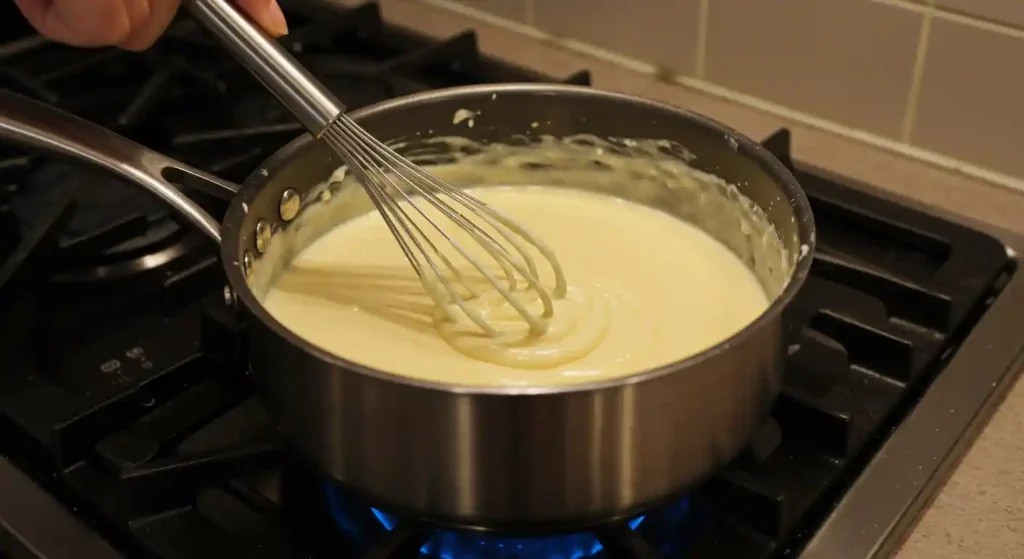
[
  {"x": 267, "y": 14},
  {"x": 152, "y": 18},
  {"x": 79, "y": 23}
]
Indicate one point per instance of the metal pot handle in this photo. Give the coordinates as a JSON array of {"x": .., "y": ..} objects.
[{"x": 35, "y": 125}]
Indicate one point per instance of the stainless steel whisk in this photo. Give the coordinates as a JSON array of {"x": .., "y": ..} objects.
[{"x": 388, "y": 178}]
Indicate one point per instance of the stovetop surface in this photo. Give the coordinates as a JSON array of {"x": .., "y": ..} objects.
[{"x": 123, "y": 387}]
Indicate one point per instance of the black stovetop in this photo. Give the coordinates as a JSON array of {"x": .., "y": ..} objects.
[{"x": 124, "y": 400}]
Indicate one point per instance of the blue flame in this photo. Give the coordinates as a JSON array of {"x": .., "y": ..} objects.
[{"x": 445, "y": 544}]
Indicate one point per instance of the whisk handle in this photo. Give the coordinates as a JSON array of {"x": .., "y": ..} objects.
[{"x": 301, "y": 93}]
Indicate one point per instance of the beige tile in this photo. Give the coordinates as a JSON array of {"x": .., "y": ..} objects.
[
  {"x": 970, "y": 100},
  {"x": 850, "y": 61},
  {"x": 662, "y": 32},
  {"x": 514, "y": 10},
  {"x": 1004, "y": 11}
]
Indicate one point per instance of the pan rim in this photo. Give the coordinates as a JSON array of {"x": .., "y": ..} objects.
[{"x": 251, "y": 189}]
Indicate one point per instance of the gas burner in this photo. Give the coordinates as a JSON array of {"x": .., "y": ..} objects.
[
  {"x": 375, "y": 529},
  {"x": 184, "y": 97},
  {"x": 116, "y": 230}
]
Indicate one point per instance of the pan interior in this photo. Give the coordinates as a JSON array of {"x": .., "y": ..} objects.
[
  {"x": 653, "y": 172},
  {"x": 677, "y": 162}
]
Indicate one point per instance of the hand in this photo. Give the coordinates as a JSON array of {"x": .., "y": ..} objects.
[{"x": 129, "y": 24}]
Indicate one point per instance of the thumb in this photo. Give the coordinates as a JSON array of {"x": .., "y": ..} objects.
[{"x": 267, "y": 14}]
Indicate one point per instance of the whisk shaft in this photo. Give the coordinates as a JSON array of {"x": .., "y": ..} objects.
[{"x": 388, "y": 178}]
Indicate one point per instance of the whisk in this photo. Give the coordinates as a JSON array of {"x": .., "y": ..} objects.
[{"x": 388, "y": 179}]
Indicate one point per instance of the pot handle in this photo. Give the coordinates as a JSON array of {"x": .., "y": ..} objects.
[{"x": 36, "y": 125}]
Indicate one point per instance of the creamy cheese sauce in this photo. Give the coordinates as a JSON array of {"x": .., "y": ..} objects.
[{"x": 644, "y": 289}]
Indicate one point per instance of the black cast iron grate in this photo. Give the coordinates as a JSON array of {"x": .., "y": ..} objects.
[{"x": 132, "y": 405}]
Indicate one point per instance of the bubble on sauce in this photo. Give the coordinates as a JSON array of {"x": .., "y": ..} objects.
[{"x": 465, "y": 115}]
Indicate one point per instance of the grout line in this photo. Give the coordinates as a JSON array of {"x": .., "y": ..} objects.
[
  {"x": 916, "y": 77},
  {"x": 911, "y": 5},
  {"x": 489, "y": 18},
  {"x": 893, "y": 146},
  {"x": 980, "y": 22},
  {"x": 961, "y": 17},
  {"x": 530, "y": 11},
  {"x": 703, "y": 13}
]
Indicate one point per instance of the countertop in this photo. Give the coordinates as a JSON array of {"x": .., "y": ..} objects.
[{"x": 980, "y": 510}]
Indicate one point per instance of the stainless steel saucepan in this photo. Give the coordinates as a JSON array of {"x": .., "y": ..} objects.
[{"x": 490, "y": 458}]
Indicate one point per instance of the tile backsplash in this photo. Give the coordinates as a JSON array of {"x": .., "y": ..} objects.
[{"x": 943, "y": 75}]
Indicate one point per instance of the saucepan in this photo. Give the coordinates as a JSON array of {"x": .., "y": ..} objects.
[{"x": 496, "y": 458}]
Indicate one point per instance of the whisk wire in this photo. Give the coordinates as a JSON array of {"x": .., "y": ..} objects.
[
  {"x": 384, "y": 173},
  {"x": 508, "y": 265},
  {"x": 361, "y": 163},
  {"x": 408, "y": 225},
  {"x": 365, "y": 166},
  {"x": 490, "y": 216}
]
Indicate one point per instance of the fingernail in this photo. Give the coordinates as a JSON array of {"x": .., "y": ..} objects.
[{"x": 275, "y": 22}]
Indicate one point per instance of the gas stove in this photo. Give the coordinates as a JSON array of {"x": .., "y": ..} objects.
[{"x": 129, "y": 428}]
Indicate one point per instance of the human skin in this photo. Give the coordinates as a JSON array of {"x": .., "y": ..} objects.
[{"x": 129, "y": 24}]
